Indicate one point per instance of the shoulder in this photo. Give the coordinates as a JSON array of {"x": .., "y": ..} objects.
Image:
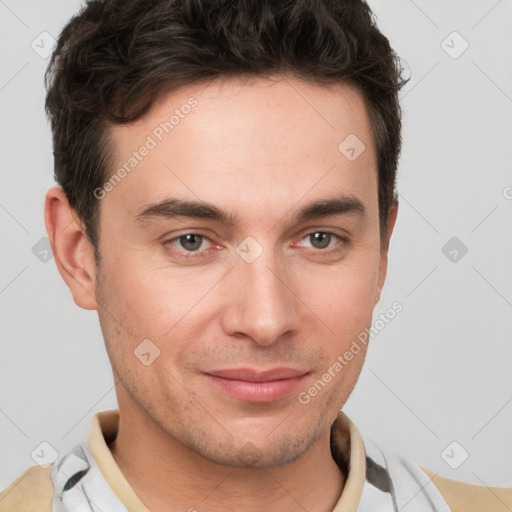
[
  {"x": 430, "y": 490},
  {"x": 30, "y": 492},
  {"x": 464, "y": 497}
]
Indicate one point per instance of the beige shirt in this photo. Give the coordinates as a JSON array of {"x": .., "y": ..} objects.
[{"x": 34, "y": 491}]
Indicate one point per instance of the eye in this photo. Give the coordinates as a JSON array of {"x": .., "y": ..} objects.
[
  {"x": 190, "y": 242},
  {"x": 320, "y": 239},
  {"x": 325, "y": 241}
]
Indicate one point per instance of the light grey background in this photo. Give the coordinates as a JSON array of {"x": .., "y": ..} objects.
[{"x": 439, "y": 372}]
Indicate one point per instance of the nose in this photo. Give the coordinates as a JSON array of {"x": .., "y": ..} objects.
[{"x": 262, "y": 304}]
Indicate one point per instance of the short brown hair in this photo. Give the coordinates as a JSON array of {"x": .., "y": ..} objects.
[{"x": 115, "y": 58}]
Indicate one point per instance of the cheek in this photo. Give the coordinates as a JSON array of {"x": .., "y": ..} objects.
[
  {"x": 343, "y": 297},
  {"x": 157, "y": 302}
]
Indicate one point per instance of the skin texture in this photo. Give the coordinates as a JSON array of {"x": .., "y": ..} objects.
[{"x": 260, "y": 149}]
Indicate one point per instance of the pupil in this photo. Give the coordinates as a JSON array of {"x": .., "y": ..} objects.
[
  {"x": 322, "y": 238},
  {"x": 191, "y": 242}
]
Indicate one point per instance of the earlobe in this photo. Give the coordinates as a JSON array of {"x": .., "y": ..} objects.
[
  {"x": 383, "y": 267},
  {"x": 73, "y": 253}
]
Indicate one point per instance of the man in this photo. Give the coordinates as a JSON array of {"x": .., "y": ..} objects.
[{"x": 226, "y": 202}]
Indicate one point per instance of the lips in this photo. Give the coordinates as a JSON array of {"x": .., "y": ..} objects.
[{"x": 253, "y": 385}]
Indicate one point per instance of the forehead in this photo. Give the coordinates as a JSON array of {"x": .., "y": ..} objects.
[{"x": 259, "y": 143}]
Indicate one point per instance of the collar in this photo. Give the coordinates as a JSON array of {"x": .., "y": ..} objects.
[{"x": 346, "y": 446}]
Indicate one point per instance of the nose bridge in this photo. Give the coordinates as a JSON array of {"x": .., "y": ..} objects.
[{"x": 262, "y": 307}]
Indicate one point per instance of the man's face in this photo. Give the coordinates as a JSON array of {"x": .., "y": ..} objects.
[{"x": 270, "y": 297}]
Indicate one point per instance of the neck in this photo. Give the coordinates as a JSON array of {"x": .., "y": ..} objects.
[{"x": 188, "y": 481}]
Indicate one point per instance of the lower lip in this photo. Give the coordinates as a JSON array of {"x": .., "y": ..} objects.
[{"x": 269, "y": 391}]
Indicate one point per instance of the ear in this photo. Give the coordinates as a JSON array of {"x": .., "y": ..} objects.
[
  {"x": 73, "y": 253},
  {"x": 383, "y": 266}
]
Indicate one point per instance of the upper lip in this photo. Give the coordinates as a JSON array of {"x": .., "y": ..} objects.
[{"x": 253, "y": 375}]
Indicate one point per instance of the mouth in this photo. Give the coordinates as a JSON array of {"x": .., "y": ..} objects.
[{"x": 252, "y": 385}]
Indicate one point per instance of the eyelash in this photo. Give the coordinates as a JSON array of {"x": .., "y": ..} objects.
[{"x": 196, "y": 254}]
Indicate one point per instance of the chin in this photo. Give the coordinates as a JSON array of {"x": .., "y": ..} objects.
[
  {"x": 249, "y": 455},
  {"x": 258, "y": 450}
]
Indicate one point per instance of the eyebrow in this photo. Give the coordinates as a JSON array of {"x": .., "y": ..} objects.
[{"x": 175, "y": 207}]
